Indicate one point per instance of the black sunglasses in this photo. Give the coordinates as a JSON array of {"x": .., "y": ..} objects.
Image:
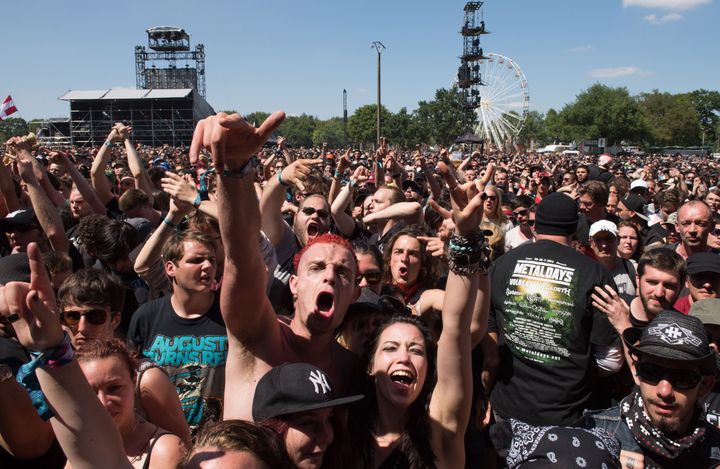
[
  {"x": 484, "y": 196},
  {"x": 95, "y": 317},
  {"x": 521, "y": 212},
  {"x": 373, "y": 276},
  {"x": 309, "y": 211},
  {"x": 680, "y": 378}
]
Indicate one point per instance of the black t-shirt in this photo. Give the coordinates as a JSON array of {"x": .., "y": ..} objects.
[
  {"x": 192, "y": 351},
  {"x": 541, "y": 307}
]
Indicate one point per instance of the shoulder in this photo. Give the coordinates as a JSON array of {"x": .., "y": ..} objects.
[{"x": 168, "y": 451}]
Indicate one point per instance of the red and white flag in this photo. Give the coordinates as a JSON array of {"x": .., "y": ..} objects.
[{"x": 7, "y": 108}]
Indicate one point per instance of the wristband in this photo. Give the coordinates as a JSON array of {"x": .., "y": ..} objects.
[
  {"x": 280, "y": 178},
  {"x": 197, "y": 201},
  {"x": 109, "y": 143},
  {"x": 337, "y": 175},
  {"x": 169, "y": 223},
  {"x": 55, "y": 357},
  {"x": 241, "y": 172},
  {"x": 352, "y": 183}
]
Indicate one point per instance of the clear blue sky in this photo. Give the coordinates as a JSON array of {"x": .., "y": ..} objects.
[{"x": 299, "y": 55}]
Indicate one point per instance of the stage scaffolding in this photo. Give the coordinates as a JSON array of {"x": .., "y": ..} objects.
[{"x": 157, "y": 117}]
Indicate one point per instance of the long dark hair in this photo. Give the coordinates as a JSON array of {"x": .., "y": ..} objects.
[{"x": 414, "y": 444}]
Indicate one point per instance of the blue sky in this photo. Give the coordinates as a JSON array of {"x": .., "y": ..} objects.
[{"x": 299, "y": 55}]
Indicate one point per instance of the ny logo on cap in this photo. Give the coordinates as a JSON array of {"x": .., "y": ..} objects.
[
  {"x": 319, "y": 380},
  {"x": 674, "y": 335}
]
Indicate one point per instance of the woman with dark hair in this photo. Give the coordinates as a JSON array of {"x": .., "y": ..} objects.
[
  {"x": 409, "y": 265},
  {"x": 418, "y": 394},
  {"x": 630, "y": 242}
]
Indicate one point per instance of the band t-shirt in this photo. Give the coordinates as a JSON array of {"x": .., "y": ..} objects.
[
  {"x": 192, "y": 351},
  {"x": 541, "y": 308}
]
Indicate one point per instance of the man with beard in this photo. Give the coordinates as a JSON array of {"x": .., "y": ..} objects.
[
  {"x": 311, "y": 220},
  {"x": 661, "y": 275},
  {"x": 661, "y": 424}
]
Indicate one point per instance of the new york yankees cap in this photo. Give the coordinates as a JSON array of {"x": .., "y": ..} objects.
[
  {"x": 292, "y": 388},
  {"x": 674, "y": 337}
]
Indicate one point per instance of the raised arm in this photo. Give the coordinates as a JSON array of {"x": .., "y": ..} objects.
[
  {"x": 135, "y": 163},
  {"x": 273, "y": 197},
  {"x": 343, "y": 165},
  {"x": 451, "y": 400},
  {"x": 343, "y": 221},
  {"x": 7, "y": 187},
  {"x": 84, "y": 429},
  {"x": 181, "y": 189},
  {"x": 97, "y": 172},
  {"x": 82, "y": 184},
  {"x": 248, "y": 314},
  {"x": 411, "y": 211}
]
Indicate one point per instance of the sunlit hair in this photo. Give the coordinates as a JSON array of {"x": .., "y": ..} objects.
[
  {"x": 239, "y": 435},
  {"x": 174, "y": 248},
  {"x": 92, "y": 287},
  {"x": 326, "y": 238},
  {"x": 497, "y": 217},
  {"x": 132, "y": 199},
  {"x": 98, "y": 349}
]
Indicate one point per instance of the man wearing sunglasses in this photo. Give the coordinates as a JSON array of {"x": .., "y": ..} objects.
[
  {"x": 91, "y": 302},
  {"x": 661, "y": 423},
  {"x": 524, "y": 213}
]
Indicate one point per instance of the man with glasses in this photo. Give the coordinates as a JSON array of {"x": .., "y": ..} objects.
[
  {"x": 91, "y": 302},
  {"x": 311, "y": 220},
  {"x": 661, "y": 423},
  {"x": 524, "y": 213}
]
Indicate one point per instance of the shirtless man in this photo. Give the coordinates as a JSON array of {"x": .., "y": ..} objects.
[{"x": 323, "y": 288}]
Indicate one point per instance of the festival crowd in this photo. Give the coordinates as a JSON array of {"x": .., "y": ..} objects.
[{"x": 245, "y": 304}]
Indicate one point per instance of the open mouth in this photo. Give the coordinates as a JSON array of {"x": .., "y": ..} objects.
[
  {"x": 312, "y": 230},
  {"x": 402, "y": 270},
  {"x": 402, "y": 377},
  {"x": 325, "y": 302}
]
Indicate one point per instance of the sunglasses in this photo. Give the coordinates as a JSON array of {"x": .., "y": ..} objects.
[
  {"x": 680, "y": 378},
  {"x": 374, "y": 276},
  {"x": 95, "y": 317},
  {"x": 309, "y": 211},
  {"x": 521, "y": 212},
  {"x": 484, "y": 196},
  {"x": 715, "y": 232}
]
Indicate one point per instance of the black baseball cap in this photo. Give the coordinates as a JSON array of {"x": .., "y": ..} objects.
[
  {"x": 673, "y": 337},
  {"x": 635, "y": 203},
  {"x": 292, "y": 388},
  {"x": 703, "y": 262},
  {"x": 22, "y": 217},
  {"x": 410, "y": 184}
]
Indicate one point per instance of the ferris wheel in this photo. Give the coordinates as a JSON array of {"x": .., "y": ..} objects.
[{"x": 505, "y": 100}]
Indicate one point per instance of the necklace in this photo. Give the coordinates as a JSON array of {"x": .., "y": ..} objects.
[{"x": 139, "y": 456}]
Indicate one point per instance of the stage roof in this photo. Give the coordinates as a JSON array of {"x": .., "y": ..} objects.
[{"x": 124, "y": 93}]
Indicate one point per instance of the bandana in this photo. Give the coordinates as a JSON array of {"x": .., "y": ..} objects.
[{"x": 632, "y": 411}]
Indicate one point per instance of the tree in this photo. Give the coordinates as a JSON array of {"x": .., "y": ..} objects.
[
  {"x": 402, "y": 129},
  {"x": 707, "y": 105},
  {"x": 330, "y": 132},
  {"x": 298, "y": 130},
  {"x": 363, "y": 123},
  {"x": 672, "y": 119},
  {"x": 534, "y": 129},
  {"x": 257, "y": 117},
  {"x": 445, "y": 118},
  {"x": 12, "y": 127},
  {"x": 601, "y": 111}
]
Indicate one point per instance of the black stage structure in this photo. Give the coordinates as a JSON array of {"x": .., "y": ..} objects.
[
  {"x": 168, "y": 102},
  {"x": 157, "y": 117}
]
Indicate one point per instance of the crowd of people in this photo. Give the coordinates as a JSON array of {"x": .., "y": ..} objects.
[{"x": 240, "y": 304}]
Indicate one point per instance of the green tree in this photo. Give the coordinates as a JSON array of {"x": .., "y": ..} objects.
[
  {"x": 329, "y": 131},
  {"x": 601, "y": 111},
  {"x": 298, "y": 130},
  {"x": 257, "y": 117},
  {"x": 402, "y": 129},
  {"x": 534, "y": 129},
  {"x": 672, "y": 119},
  {"x": 707, "y": 105},
  {"x": 362, "y": 124},
  {"x": 445, "y": 118},
  {"x": 11, "y": 127}
]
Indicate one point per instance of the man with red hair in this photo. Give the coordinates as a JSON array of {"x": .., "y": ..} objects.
[{"x": 323, "y": 286}]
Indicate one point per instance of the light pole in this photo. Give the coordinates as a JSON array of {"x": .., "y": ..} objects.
[{"x": 379, "y": 47}]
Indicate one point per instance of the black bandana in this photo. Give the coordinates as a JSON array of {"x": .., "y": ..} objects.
[{"x": 632, "y": 411}]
